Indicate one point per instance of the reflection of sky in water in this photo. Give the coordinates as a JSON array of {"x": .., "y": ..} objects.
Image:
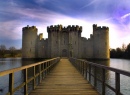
[{"x": 9, "y": 63}]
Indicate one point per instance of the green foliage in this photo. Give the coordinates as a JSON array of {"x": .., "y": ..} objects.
[
  {"x": 123, "y": 52},
  {"x": 2, "y": 50},
  {"x": 11, "y": 52},
  {"x": 127, "y": 51}
]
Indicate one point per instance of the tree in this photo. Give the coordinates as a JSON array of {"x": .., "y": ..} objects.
[
  {"x": 116, "y": 53},
  {"x": 12, "y": 51},
  {"x": 119, "y": 53},
  {"x": 113, "y": 53},
  {"x": 127, "y": 51},
  {"x": 123, "y": 47},
  {"x": 2, "y": 50}
]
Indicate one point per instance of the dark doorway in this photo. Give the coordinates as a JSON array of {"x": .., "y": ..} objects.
[{"x": 64, "y": 53}]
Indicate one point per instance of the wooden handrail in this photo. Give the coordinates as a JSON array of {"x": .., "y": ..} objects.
[
  {"x": 127, "y": 73},
  {"x": 2, "y": 73},
  {"x": 85, "y": 69},
  {"x": 44, "y": 69}
]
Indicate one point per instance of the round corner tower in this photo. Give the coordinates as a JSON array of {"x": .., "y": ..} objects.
[
  {"x": 29, "y": 41},
  {"x": 101, "y": 42}
]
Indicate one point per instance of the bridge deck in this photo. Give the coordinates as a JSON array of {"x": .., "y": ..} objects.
[{"x": 64, "y": 79}]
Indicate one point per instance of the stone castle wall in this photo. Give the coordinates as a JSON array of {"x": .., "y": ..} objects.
[
  {"x": 66, "y": 42},
  {"x": 101, "y": 42},
  {"x": 29, "y": 39}
]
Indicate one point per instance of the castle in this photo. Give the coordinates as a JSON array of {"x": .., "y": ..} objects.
[{"x": 65, "y": 42}]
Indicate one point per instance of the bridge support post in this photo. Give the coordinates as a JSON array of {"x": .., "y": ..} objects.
[
  {"x": 89, "y": 73},
  {"x": 83, "y": 68},
  {"x": 95, "y": 77},
  {"x": 103, "y": 82},
  {"x": 25, "y": 80},
  {"x": 86, "y": 71},
  {"x": 117, "y": 80},
  {"x": 11, "y": 83},
  {"x": 34, "y": 77},
  {"x": 42, "y": 71},
  {"x": 39, "y": 78}
]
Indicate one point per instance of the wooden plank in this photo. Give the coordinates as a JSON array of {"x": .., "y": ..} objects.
[{"x": 64, "y": 79}]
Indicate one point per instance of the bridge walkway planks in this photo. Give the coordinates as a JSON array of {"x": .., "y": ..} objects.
[{"x": 64, "y": 79}]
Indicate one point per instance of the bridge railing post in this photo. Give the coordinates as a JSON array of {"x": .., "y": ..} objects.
[
  {"x": 50, "y": 66},
  {"x": 76, "y": 63},
  {"x": 79, "y": 66},
  {"x": 25, "y": 81},
  {"x": 117, "y": 80},
  {"x": 83, "y": 68},
  {"x": 103, "y": 81},
  {"x": 95, "y": 77},
  {"x": 11, "y": 83},
  {"x": 89, "y": 73},
  {"x": 86, "y": 70},
  {"x": 39, "y": 73},
  {"x": 45, "y": 69},
  {"x": 34, "y": 80},
  {"x": 42, "y": 68}
]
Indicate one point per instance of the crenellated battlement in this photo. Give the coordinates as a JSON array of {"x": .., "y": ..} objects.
[
  {"x": 61, "y": 28},
  {"x": 54, "y": 28},
  {"x": 99, "y": 27},
  {"x": 74, "y": 28},
  {"x": 29, "y": 28},
  {"x": 102, "y": 28}
]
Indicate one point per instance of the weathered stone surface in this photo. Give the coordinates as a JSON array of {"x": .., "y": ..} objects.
[{"x": 65, "y": 42}]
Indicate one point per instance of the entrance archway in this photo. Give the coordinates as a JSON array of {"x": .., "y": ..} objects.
[{"x": 64, "y": 53}]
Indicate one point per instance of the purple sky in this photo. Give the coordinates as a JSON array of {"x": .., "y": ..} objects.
[{"x": 15, "y": 14}]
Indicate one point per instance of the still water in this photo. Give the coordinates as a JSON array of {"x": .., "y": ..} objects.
[
  {"x": 122, "y": 64},
  {"x": 9, "y": 63}
]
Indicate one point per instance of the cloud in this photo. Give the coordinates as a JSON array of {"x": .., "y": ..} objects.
[
  {"x": 42, "y": 13},
  {"x": 10, "y": 30},
  {"x": 88, "y": 4},
  {"x": 126, "y": 15}
]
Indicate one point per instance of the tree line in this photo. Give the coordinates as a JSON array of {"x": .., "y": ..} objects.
[
  {"x": 10, "y": 52},
  {"x": 123, "y": 52}
]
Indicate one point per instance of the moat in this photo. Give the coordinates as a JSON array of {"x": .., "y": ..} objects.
[{"x": 8, "y": 63}]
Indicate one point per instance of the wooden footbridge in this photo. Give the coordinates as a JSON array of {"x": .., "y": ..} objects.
[
  {"x": 64, "y": 79},
  {"x": 63, "y": 76}
]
